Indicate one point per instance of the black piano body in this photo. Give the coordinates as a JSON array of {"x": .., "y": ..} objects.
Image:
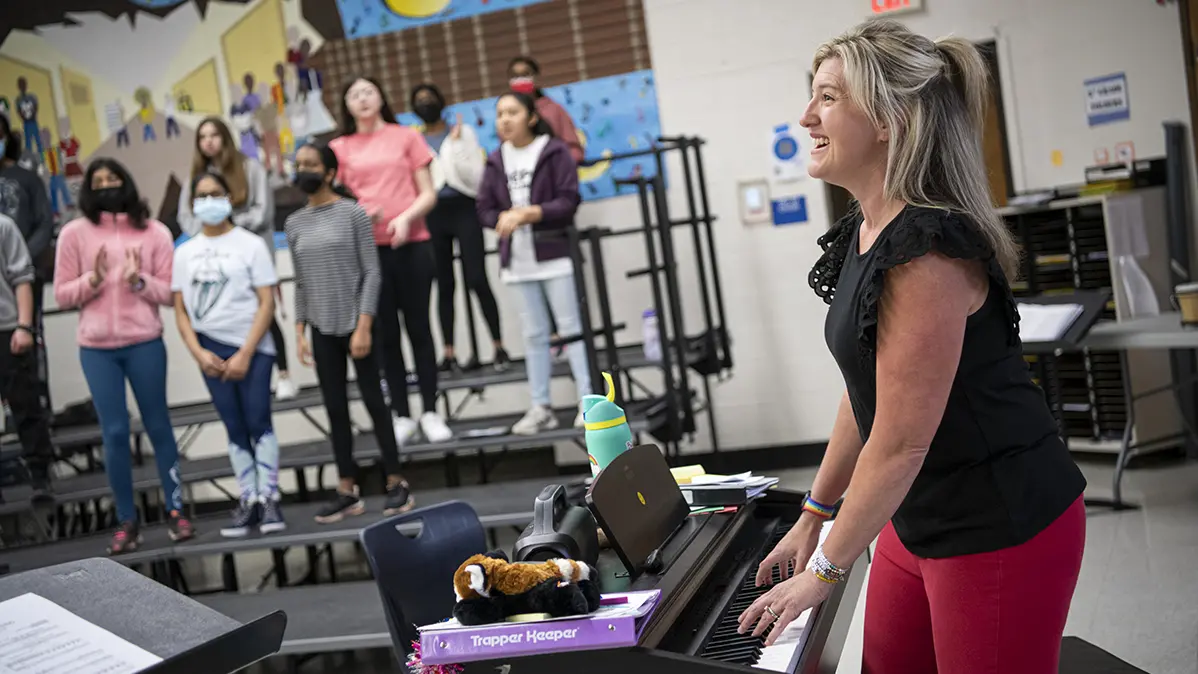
[{"x": 707, "y": 576}]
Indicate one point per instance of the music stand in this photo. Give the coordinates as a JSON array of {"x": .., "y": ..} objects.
[
  {"x": 638, "y": 504},
  {"x": 189, "y": 637},
  {"x": 1092, "y": 302}
]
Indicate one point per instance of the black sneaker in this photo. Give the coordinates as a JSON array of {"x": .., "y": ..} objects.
[
  {"x": 272, "y": 517},
  {"x": 399, "y": 499},
  {"x": 126, "y": 539},
  {"x": 472, "y": 364},
  {"x": 243, "y": 519},
  {"x": 343, "y": 505},
  {"x": 502, "y": 361},
  {"x": 450, "y": 366},
  {"x": 39, "y": 480}
]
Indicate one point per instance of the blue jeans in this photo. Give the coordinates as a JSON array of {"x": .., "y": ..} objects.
[
  {"x": 58, "y": 187},
  {"x": 563, "y": 301},
  {"x": 32, "y": 135},
  {"x": 144, "y": 365},
  {"x": 244, "y": 407}
]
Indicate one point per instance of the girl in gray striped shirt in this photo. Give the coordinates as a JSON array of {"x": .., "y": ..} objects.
[{"x": 337, "y": 282}]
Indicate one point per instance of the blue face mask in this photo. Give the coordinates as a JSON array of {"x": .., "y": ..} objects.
[{"x": 212, "y": 210}]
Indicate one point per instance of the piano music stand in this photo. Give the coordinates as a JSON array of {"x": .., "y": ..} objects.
[
  {"x": 189, "y": 637},
  {"x": 637, "y": 502}
]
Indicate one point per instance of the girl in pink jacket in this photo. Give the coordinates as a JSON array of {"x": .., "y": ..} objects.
[{"x": 114, "y": 265}]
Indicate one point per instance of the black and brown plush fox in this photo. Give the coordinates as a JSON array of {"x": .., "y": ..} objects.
[{"x": 489, "y": 588}]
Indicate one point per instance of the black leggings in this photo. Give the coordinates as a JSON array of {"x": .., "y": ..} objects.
[
  {"x": 407, "y": 285},
  {"x": 330, "y": 353},
  {"x": 276, "y": 333},
  {"x": 456, "y": 218}
]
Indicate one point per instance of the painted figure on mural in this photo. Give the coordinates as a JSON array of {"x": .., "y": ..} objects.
[
  {"x": 241, "y": 115},
  {"x": 27, "y": 108},
  {"x": 168, "y": 111},
  {"x": 266, "y": 118},
  {"x": 307, "y": 76},
  {"x": 5, "y": 108},
  {"x": 114, "y": 117},
  {"x": 60, "y": 197},
  {"x": 145, "y": 111},
  {"x": 68, "y": 149}
]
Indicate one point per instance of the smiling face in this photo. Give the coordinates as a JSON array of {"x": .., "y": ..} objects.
[
  {"x": 364, "y": 100},
  {"x": 846, "y": 146}
]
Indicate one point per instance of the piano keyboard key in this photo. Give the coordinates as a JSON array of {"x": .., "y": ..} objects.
[{"x": 783, "y": 654}]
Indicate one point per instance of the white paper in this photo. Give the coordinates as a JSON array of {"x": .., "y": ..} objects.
[
  {"x": 1128, "y": 231},
  {"x": 1046, "y": 322},
  {"x": 38, "y": 636}
]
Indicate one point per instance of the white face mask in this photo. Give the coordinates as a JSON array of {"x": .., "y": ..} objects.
[{"x": 212, "y": 210}]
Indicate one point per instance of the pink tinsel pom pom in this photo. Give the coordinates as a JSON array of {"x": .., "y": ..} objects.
[{"x": 418, "y": 667}]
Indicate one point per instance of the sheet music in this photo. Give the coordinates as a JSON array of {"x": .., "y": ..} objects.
[
  {"x": 1046, "y": 322},
  {"x": 38, "y": 636}
]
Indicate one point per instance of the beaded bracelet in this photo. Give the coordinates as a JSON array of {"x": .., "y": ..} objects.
[
  {"x": 816, "y": 508},
  {"x": 825, "y": 570}
]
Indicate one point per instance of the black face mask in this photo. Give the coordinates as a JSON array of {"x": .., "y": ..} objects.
[
  {"x": 429, "y": 112},
  {"x": 110, "y": 199},
  {"x": 309, "y": 182}
]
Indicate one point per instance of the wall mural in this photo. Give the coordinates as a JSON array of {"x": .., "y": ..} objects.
[
  {"x": 274, "y": 70},
  {"x": 364, "y": 18},
  {"x": 614, "y": 115}
]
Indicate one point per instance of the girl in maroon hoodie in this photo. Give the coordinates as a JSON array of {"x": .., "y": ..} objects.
[{"x": 528, "y": 195}]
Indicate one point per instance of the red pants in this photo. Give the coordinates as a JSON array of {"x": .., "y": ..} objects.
[{"x": 1000, "y": 612}]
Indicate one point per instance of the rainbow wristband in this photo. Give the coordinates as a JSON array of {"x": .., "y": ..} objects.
[{"x": 816, "y": 508}]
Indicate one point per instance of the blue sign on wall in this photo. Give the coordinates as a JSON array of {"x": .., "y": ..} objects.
[
  {"x": 364, "y": 18},
  {"x": 1107, "y": 99},
  {"x": 790, "y": 210},
  {"x": 615, "y": 115}
]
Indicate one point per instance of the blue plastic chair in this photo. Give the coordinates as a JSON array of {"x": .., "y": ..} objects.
[{"x": 415, "y": 574}]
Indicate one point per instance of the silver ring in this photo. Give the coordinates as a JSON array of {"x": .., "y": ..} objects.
[{"x": 771, "y": 612}]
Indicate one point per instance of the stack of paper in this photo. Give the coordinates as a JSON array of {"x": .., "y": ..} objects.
[
  {"x": 713, "y": 490},
  {"x": 1046, "y": 322}
]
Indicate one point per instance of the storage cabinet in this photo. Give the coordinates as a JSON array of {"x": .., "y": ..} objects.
[{"x": 1074, "y": 244}]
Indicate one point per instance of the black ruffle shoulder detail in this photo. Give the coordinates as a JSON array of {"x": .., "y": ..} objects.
[
  {"x": 836, "y": 243},
  {"x": 918, "y": 232}
]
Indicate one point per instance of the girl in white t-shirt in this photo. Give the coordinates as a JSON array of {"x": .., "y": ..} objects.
[
  {"x": 529, "y": 194},
  {"x": 223, "y": 280}
]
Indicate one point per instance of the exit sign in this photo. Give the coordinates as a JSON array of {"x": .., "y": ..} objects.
[{"x": 895, "y": 6}]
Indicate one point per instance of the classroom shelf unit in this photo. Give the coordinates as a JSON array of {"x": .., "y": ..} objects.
[{"x": 1074, "y": 244}]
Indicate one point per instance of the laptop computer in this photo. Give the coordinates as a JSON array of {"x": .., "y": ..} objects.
[{"x": 637, "y": 502}]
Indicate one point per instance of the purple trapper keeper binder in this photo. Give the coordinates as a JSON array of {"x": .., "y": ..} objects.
[{"x": 613, "y": 626}]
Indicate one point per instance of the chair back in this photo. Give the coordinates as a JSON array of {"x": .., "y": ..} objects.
[{"x": 414, "y": 573}]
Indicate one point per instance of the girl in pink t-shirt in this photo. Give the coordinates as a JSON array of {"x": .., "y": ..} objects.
[{"x": 387, "y": 168}]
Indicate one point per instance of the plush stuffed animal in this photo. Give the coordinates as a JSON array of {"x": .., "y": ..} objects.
[{"x": 489, "y": 588}]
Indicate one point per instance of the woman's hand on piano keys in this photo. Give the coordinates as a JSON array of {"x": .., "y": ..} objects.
[
  {"x": 788, "y": 600},
  {"x": 793, "y": 552}
]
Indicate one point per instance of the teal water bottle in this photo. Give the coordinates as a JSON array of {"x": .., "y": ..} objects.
[{"x": 607, "y": 431}]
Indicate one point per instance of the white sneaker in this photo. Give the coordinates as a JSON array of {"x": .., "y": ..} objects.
[
  {"x": 285, "y": 390},
  {"x": 405, "y": 430},
  {"x": 434, "y": 428},
  {"x": 538, "y": 418}
]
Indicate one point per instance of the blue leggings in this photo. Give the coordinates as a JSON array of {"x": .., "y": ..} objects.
[
  {"x": 244, "y": 407},
  {"x": 144, "y": 365}
]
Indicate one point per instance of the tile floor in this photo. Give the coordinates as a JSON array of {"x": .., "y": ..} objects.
[{"x": 1137, "y": 596}]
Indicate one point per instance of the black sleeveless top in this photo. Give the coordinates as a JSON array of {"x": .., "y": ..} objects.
[{"x": 996, "y": 473}]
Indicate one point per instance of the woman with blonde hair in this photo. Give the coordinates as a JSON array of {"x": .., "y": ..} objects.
[
  {"x": 944, "y": 450},
  {"x": 253, "y": 202}
]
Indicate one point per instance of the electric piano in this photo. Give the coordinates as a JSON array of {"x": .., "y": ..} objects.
[{"x": 707, "y": 577}]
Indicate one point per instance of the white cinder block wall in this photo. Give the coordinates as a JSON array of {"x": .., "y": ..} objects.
[{"x": 730, "y": 70}]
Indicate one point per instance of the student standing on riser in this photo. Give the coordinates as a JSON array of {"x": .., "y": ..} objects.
[
  {"x": 222, "y": 280},
  {"x": 253, "y": 202},
  {"x": 114, "y": 265}
]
